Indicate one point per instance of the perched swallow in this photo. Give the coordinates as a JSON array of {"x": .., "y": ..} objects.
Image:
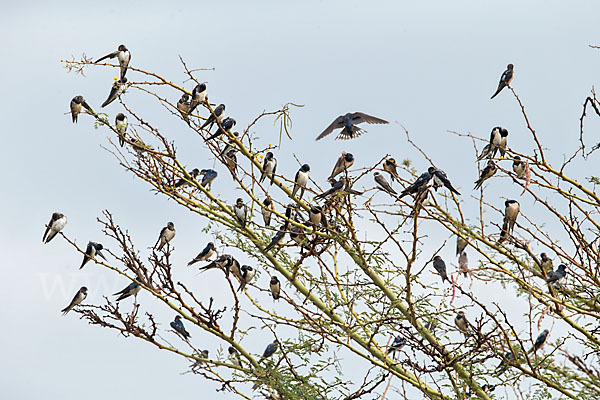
[
  {"x": 234, "y": 357},
  {"x": 498, "y": 141},
  {"x": 546, "y": 262},
  {"x": 198, "y": 96},
  {"x": 430, "y": 326},
  {"x": 224, "y": 262},
  {"x": 383, "y": 184},
  {"x": 226, "y": 125},
  {"x": 230, "y": 145},
  {"x": 183, "y": 106},
  {"x": 56, "y": 224},
  {"x": 76, "y": 107},
  {"x": 336, "y": 187},
  {"x": 344, "y": 161},
  {"x": 247, "y": 273},
  {"x": 397, "y": 344},
  {"x": 316, "y": 216},
  {"x": 390, "y": 166},
  {"x": 441, "y": 179},
  {"x": 275, "y": 287},
  {"x": 348, "y": 122},
  {"x": 121, "y": 127},
  {"x": 506, "y": 359},
  {"x": 461, "y": 244},
  {"x": 217, "y": 115},
  {"x": 420, "y": 183},
  {"x": 270, "y": 350},
  {"x": 463, "y": 263},
  {"x": 540, "y": 341},
  {"x": 511, "y": 211},
  {"x": 132, "y": 289},
  {"x": 348, "y": 188},
  {"x": 554, "y": 277},
  {"x": 208, "y": 176},
  {"x": 183, "y": 182},
  {"x": 166, "y": 235},
  {"x": 77, "y": 299},
  {"x": 205, "y": 254},
  {"x": 297, "y": 234},
  {"x": 440, "y": 267},
  {"x": 291, "y": 213},
  {"x": 123, "y": 55},
  {"x": 519, "y": 167},
  {"x": 422, "y": 199},
  {"x": 177, "y": 325},
  {"x": 117, "y": 89},
  {"x": 277, "y": 238},
  {"x": 487, "y": 173},
  {"x": 241, "y": 212},
  {"x": 505, "y": 79},
  {"x": 267, "y": 211},
  {"x": 300, "y": 180},
  {"x": 93, "y": 249},
  {"x": 269, "y": 167},
  {"x": 462, "y": 323}
]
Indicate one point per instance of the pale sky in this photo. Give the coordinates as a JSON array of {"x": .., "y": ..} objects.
[{"x": 430, "y": 66}]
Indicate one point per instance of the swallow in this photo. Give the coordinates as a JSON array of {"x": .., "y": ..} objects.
[
  {"x": 231, "y": 162},
  {"x": 116, "y": 90},
  {"x": 397, "y": 344},
  {"x": 430, "y": 326},
  {"x": 505, "y": 79},
  {"x": 93, "y": 249},
  {"x": 77, "y": 105},
  {"x": 275, "y": 288},
  {"x": 344, "y": 161},
  {"x": 519, "y": 167},
  {"x": 277, "y": 238},
  {"x": 57, "y": 223},
  {"x": 217, "y": 115},
  {"x": 554, "y": 277},
  {"x": 440, "y": 267},
  {"x": 270, "y": 350},
  {"x": 121, "y": 127},
  {"x": 183, "y": 106},
  {"x": 461, "y": 244},
  {"x": 498, "y": 141},
  {"x": 317, "y": 217},
  {"x": 208, "y": 176},
  {"x": 487, "y": 173},
  {"x": 297, "y": 234},
  {"x": 230, "y": 145},
  {"x": 291, "y": 213},
  {"x": 462, "y": 323},
  {"x": 131, "y": 290},
  {"x": 336, "y": 187},
  {"x": 390, "y": 166},
  {"x": 247, "y": 273},
  {"x": 241, "y": 212},
  {"x": 420, "y": 183},
  {"x": 348, "y": 124},
  {"x": 205, "y": 254},
  {"x": 234, "y": 357},
  {"x": 441, "y": 179},
  {"x": 546, "y": 262},
  {"x": 383, "y": 184},
  {"x": 166, "y": 235},
  {"x": 267, "y": 211},
  {"x": 224, "y": 262},
  {"x": 198, "y": 96},
  {"x": 77, "y": 299},
  {"x": 300, "y": 180},
  {"x": 540, "y": 341},
  {"x": 422, "y": 199},
  {"x": 269, "y": 167},
  {"x": 177, "y": 325},
  {"x": 511, "y": 211},
  {"x": 183, "y": 182},
  {"x": 123, "y": 55},
  {"x": 226, "y": 125},
  {"x": 506, "y": 359},
  {"x": 463, "y": 263}
]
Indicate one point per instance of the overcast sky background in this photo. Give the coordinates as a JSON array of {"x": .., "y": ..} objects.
[{"x": 431, "y": 66}]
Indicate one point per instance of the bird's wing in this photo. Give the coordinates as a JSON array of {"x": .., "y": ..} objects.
[
  {"x": 46, "y": 231},
  {"x": 337, "y": 123},
  {"x": 110, "y": 55},
  {"x": 359, "y": 118}
]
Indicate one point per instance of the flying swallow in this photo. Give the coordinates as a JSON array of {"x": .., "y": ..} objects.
[
  {"x": 487, "y": 173},
  {"x": 56, "y": 224},
  {"x": 344, "y": 161},
  {"x": 554, "y": 277},
  {"x": 93, "y": 249},
  {"x": 234, "y": 357},
  {"x": 518, "y": 167},
  {"x": 79, "y": 297},
  {"x": 183, "y": 182},
  {"x": 76, "y": 107},
  {"x": 121, "y": 127},
  {"x": 247, "y": 273},
  {"x": 300, "y": 180},
  {"x": 241, "y": 212},
  {"x": 390, "y": 166},
  {"x": 546, "y": 262},
  {"x": 166, "y": 235},
  {"x": 177, "y": 325},
  {"x": 383, "y": 184},
  {"x": 441, "y": 179},
  {"x": 277, "y": 238},
  {"x": 131, "y": 290},
  {"x": 270, "y": 350},
  {"x": 540, "y": 341},
  {"x": 440, "y": 267},
  {"x": 267, "y": 211},
  {"x": 123, "y": 55},
  {"x": 505, "y": 79},
  {"x": 116, "y": 90},
  {"x": 183, "y": 106},
  {"x": 226, "y": 125},
  {"x": 269, "y": 167},
  {"x": 511, "y": 211},
  {"x": 231, "y": 162},
  {"x": 208, "y": 176},
  {"x": 275, "y": 288},
  {"x": 498, "y": 141},
  {"x": 198, "y": 96},
  {"x": 420, "y": 183},
  {"x": 463, "y": 263},
  {"x": 462, "y": 323},
  {"x": 348, "y": 122},
  {"x": 217, "y": 115},
  {"x": 205, "y": 254},
  {"x": 461, "y": 244},
  {"x": 316, "y": 216}
]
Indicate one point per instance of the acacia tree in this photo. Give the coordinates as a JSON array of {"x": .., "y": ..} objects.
[{"x": 353, "y": 286}]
